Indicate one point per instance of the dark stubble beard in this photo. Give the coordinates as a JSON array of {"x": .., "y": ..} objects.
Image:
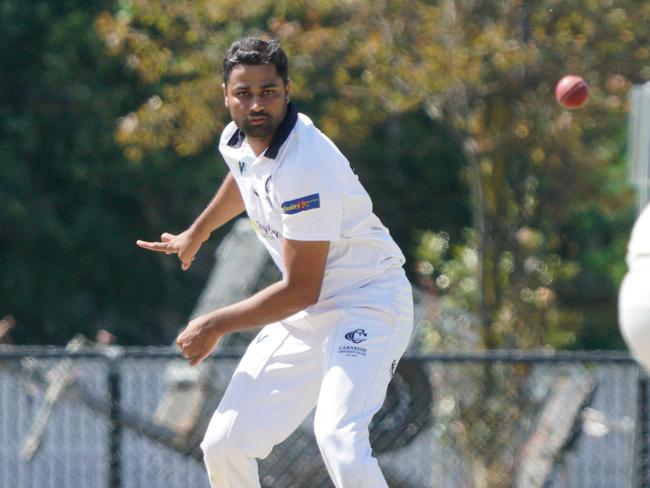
[
  {"x": 269, "y": 126},
  {"x": 260, "y": 131}
]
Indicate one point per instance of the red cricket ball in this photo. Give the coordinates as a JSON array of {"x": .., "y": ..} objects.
[{"x": 572, "y": 91}]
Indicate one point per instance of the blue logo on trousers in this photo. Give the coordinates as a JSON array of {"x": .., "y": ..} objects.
[{"x": 356, "y": 336}]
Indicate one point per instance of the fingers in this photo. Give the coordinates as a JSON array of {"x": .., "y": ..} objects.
[
  {"x": 167, "y": 237},
  {"x": 198, "y": 359},
  {"x": 184, "y": 345},
  {"x": 194, "y": 348},
  {"x": 165, "y": 247},
  {"x": 194, "y": 358},
  {"x": 185, "y": 265}
]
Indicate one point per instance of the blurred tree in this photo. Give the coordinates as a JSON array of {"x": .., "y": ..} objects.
[
  {"x": 73, "y": 205},
  {"x": 74, "y": 201},
  {"x": 534, "y": 168},
  {"x": 550, "y": 200},
  {"x": 546, "y": 252},
  {"x": 486, "y": 71}
]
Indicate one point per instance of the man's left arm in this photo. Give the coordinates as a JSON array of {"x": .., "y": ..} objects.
[{"x": 300, "y": 287}]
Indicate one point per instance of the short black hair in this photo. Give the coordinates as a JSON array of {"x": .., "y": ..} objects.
[{"x": 252, "y": 51}]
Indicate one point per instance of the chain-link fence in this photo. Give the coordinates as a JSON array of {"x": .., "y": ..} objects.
[{"x": 133, "y": 418}]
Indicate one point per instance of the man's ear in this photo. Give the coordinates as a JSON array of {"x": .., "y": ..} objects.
[
  {"x": 288, "y": 87},
  {"x": 225, "y": 94}
]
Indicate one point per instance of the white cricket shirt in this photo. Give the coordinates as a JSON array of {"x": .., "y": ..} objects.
[
  {"x": 639, "y": 244},
  {"x": 302, "y": 188}
]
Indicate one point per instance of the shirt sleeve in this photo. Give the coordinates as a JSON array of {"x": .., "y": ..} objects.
[{"x": 311, "y": 203}]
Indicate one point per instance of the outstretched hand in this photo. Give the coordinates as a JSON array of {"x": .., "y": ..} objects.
[{"x": 185, "y": 245}]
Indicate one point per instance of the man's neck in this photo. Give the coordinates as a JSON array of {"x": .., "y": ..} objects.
[{"x": 259, "y": 145}]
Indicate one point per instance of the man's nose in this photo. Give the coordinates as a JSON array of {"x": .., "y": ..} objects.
[{"x": 257, "y": 104}]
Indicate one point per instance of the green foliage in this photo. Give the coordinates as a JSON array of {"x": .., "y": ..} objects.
[
  {"x": 534, "y": 166},
  {"x": 99, "y": 150},
  {"x": 73, "y": 205},
  {"x": 411, "y": 166},
  {"x": 484, "y": 71},
  {"x": 367, "y": 72},
  {"x": 529, "y": 314}
]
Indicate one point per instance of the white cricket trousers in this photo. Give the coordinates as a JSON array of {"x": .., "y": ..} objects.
[
  {"x": 339, "y": 361},
  {"x": 634, "y": 311}
]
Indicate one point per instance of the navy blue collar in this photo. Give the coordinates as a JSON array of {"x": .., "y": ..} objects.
[{"x": 279, "y": 138}]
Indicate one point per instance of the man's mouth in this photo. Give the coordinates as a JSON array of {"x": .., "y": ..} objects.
[{"x": 258, "y": 119}]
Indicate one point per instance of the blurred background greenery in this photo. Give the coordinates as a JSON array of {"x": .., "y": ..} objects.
[{"x": 506, "y": 204}]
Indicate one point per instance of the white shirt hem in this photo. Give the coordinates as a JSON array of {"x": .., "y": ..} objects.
[{"x": 297, "y": 236}]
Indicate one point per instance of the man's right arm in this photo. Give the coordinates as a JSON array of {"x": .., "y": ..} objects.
[{"x": 225, "y": 206}]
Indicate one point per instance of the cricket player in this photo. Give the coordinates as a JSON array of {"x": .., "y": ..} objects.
[
  {"x": 337, "y": 323},
  {"x": 634, "y": 295}
]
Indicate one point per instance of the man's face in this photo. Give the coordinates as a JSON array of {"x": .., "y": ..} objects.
[{"x": 257, "y": 99}]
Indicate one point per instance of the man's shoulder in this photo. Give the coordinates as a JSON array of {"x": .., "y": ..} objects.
[
  {"x": 305, "y": 120},
  {"x": 309, "y": 157},
  {"x": 314, "y": 141},
  {"x": 306, "y": 128},
  {"x": 227, "y": 133},
  {"x": 225, "y": 146}
]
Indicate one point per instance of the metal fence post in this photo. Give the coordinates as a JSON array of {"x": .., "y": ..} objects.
[
  {"x": 642, "y": 447},
  {"x": 114, "y": 354}
]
